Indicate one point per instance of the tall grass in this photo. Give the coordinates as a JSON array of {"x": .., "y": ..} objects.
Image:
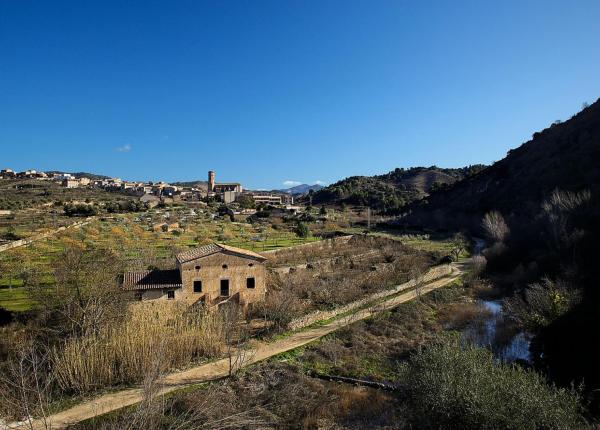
[{"x": 151, "y": 338}]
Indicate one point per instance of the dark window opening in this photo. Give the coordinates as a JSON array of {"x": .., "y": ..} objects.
[
  {"x": 224, "y": 287},
  {"x": 197, "y": 286},
  {"x": 197, "y": 267},
  {"x": 171, "y": 294},
  {"x": 224, "y": 266},
  {"x": 250, "y": 264},
  {"x": 250, "y": 283}
]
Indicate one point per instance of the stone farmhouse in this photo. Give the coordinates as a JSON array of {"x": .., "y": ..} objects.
[{"x": 211, "y": 275}]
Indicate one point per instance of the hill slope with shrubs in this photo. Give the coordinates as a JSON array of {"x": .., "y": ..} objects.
[
  {"x": 540, "y": 210},
  {"x": 389, "y": 192}
]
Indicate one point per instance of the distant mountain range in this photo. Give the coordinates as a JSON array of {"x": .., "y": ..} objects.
[{"x": 301, "y": 189}]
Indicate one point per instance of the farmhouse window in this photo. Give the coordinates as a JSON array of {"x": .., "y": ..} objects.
[
  {"x": 197, "y": 286},
  {"x": 250, "y": 283},
  {"x": 224, "y": 287},
  {"x": 171, "y": 294}
]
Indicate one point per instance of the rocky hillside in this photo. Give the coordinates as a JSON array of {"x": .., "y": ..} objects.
[
  {"x": 390, "y": 192},
  {"x": 564, "y": 156}
]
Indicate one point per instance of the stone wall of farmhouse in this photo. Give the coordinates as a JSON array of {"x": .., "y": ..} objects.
[
  {"x": 313, "y": 317},
  {"x": 212, "y": 269}
]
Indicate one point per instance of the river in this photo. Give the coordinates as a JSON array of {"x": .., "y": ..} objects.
[{"x": 493, "y": 331}]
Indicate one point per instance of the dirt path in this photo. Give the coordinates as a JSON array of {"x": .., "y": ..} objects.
[{"x": 218, "y": 369}]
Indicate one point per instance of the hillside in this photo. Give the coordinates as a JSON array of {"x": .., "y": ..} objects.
[
  {"x": 565, "y": 156},
  {"x": 391, "y": 191},
  {"x": 547, "y": 191}
]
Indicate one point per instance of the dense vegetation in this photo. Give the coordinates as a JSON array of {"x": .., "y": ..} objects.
[
  {"x": 540, "y": 209},
  {"x": 390, "y": 192}
]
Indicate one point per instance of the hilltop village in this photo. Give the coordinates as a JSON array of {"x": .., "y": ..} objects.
[{"x": 153, "y": 193}]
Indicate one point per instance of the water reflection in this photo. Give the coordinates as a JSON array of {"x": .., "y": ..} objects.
[{"x": 493, "y": 331}]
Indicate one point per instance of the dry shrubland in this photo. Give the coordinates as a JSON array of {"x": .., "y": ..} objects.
[
  {"x": 123, "y": 353},
  {"x": 362, "y": 266},
  {"x": 271, "y": 396}
]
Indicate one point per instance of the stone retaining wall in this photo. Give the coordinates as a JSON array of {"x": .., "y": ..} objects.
[
  {"x": 320, "y": 244},
  {"x": 313, "y": 317},
  {"x": 29, "y": 240}
]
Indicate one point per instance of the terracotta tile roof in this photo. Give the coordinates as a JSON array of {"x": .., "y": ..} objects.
[
  {"x": 213, "y": 248},
  {"x": 243, "y": 252},
  {"x": 151, "y": 279},
  {"x": 201, "y": 251}
]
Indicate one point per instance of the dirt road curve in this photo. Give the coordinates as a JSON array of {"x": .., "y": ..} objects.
[{"x": 218, "y": 369}]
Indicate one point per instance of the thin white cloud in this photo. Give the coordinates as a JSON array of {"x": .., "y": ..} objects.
[
  {"x": 124, "y": 148},
  {"x": 320, "y": 183},
  {"x": 289, "y": 183}
]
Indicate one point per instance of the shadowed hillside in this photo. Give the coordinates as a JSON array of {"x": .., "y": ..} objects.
[
  {"x": 565, "y": 156},
  {"x": 542, "y": 210}
]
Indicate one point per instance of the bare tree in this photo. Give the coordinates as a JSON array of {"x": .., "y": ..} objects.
[
  {"x": 459, "y": 245},
  {"x": 558, "y": 210},
  {"x": 86, "y": 293},
  {"x": 495, "y": 227},
  {"x": 25, "y": 386},
  {"x": 236, "y": 337}
]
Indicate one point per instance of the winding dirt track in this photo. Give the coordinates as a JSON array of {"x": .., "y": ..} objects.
[{"x": 220, "y": 368}]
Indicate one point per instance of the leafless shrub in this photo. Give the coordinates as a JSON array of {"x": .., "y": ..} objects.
[
  {"x": 558, "y": 210},
  {"x": 86, "y": 295},
  {"x": 541, "y": 303},
  {"x": 235, "y": 337},
  {"x": 495, "y": 227},
  {"x": 25, "y": 386},
  {"x": 279, "y": 308},
  {"x": 458, "y": 315}
]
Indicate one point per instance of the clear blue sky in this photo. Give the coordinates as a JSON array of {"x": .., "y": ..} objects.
[{"x": 270, "y": 91}]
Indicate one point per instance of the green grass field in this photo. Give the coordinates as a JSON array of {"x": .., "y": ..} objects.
[
  {"x": 14, "y": 299},
  {"x": 132, "y": 237}
]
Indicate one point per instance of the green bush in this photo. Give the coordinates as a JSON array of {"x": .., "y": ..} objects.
[
  {"x": 79, "y": 210},
  {"x": 302, "y": 230},
  {"x": 462, "y": 387}
]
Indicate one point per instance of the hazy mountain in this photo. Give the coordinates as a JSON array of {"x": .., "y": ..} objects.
[{"x": 301, "y": 189}]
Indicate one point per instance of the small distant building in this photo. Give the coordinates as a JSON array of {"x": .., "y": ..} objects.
[
  {"x": 211, "y": 275},
  {"x": 229, "y": 196},
  {"x": 150, "y": 200},
  {"x": 70, "y": 183},
  {"x": 7, "y": 174},
  {"x": 264, "y": 198}
]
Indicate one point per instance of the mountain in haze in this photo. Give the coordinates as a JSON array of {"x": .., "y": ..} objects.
[
  {"x": 390, "y": 192},
  {"x": 564, "y": 156},
  {"x": 191, "y": 184},
  {"x": 301, "y": 189}
]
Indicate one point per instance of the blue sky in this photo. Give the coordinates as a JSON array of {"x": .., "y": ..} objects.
[{"x": 270, "y": 91}]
